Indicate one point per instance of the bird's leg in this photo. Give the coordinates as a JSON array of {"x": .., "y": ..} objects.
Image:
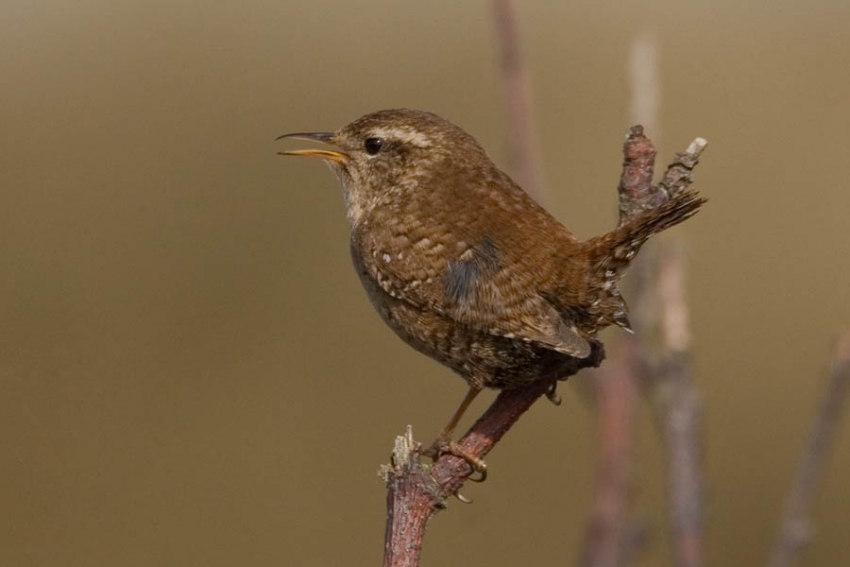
[
  {"x": 444, "y": 443},
  {"x": 467, "y": 400}
]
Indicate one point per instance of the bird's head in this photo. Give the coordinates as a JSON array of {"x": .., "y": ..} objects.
[{"x": 384, "y": 155}]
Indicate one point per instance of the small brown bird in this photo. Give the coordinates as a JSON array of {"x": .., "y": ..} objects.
[{"x": 464, "y": 266}]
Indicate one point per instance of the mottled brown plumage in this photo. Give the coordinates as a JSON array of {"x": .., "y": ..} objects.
[{"x": 463, "y": 265}]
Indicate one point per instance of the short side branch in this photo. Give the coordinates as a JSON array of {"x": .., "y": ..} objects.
[{"x": 636, "y": 191}]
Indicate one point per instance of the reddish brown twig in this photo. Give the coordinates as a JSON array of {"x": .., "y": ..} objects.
[
  {"x": 525, "y": 156},
  {"x": 610, "y": 537},
  {"x": 795, "y": 528},
  {"x": 669, "y": 383},
  {"x": 416, "y": 492},
  {"x": 636, "y": 191},
  {"x": 606, "y": 541}
]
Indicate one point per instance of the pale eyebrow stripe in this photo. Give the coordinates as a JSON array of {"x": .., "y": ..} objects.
[{"x": 408, "y": 135}]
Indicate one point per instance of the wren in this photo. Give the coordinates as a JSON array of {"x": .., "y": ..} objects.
[{"x": 464, "y": 266}]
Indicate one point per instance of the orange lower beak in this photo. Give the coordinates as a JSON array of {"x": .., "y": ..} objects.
[{"x": 326, "y": 137}]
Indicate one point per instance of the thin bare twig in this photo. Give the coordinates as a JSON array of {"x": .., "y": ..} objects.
[
  {"x": 607, "y": 541},
  {"x": 416, "y": 492},
  {"x": 679, "y": 412},
  {"x": 795, "y": 530},
  {"x": 523, "y": 146},
  {"x": 670, "y": 384},
  {"x": 610, "y": 540}
]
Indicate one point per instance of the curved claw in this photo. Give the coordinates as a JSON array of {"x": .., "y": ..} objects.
[
  {"x": 482, "y": 473},
  {"x": 552, "y": 394},
  {"x": 477, "y": 464},
  {"x": 443, "y": 446},
  {"x": 462, "y": 498}
]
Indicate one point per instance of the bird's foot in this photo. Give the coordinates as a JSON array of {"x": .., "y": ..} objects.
[{"x": 443, "y": 445}]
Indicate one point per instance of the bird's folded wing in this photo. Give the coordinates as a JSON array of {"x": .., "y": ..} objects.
[{"x": 474, "y": 290}]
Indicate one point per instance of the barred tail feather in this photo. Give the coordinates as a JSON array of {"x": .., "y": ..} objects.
[{"x": 611, "y": 253}]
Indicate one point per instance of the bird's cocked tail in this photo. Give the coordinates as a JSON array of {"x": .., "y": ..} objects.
[{"x": 611, "y": 253}]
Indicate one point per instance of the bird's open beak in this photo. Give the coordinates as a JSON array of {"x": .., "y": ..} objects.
[{"x": 325, "y": 137}]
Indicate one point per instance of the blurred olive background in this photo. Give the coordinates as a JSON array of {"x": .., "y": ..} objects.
[{"x": 190, "y": 372}]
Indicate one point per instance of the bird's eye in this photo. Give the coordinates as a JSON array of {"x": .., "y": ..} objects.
[{"x": 373, "y": 145}]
